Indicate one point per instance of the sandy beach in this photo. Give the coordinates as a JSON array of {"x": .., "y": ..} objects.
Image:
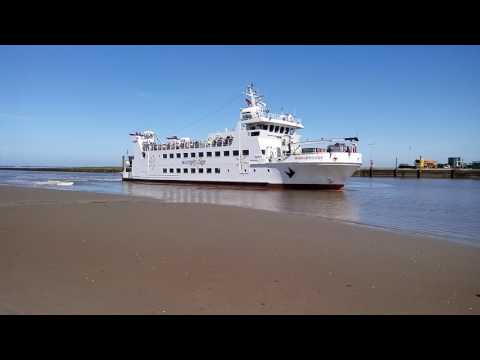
[{"x": 64, "y": 252}]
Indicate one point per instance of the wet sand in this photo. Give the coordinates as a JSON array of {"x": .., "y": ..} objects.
[{"x": 65, "y": 252}]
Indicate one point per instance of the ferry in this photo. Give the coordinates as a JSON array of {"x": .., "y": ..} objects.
[{"x": 264, "y": 149}]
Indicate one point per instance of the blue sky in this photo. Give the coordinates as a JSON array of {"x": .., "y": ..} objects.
[{"x": 75, "y": 105}]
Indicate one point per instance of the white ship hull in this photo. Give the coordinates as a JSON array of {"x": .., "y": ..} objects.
[
  {"x": 312, "y": 171},
  {"x": 332, "y": 178}
]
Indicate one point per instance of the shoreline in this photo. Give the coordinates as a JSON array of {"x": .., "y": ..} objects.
[
  {"x": 93, "y": 169},
  {"x": 454, "y": 174},
  {"x": 454, "y": 240},
  {"x": 70, "y": 252}
]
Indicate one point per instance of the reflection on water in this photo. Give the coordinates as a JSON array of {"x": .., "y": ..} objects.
[
  {"x": 441, "y": 207},
  {"x": 331, "y": 204}
]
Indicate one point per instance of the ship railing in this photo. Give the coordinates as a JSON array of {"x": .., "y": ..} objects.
[
  {"x": 330, "y": 149},
  {"x": 188, "y": 145},
  {"x": 313, "y": 150},
  {"x": 275, "y": 116},
  {"x": 329, "y": 145}
]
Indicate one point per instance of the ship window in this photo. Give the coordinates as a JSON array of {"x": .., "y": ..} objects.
[
  {"x": 209, "y": 170},
  {"x": 179, "y": 171},
  {"x": 171, "y": 156},
  {"x": 192, "y": 155},
  {"x": 286, "y": 130},
  {"x": 226, "y": 153},
  {"x": 271, "y": 128},
  {"x": 164, "y": 170},
  {"x": 217, "y": 171},
  {"x": 185, "y": 171},
  {"x": 200, "y": 154},
  {"x": 276, "y": 129},
  {"x": 209, "y": 154},
  {"x": 263, "y": 152},
  {"x": 255, "y": 133},
  {"x": 192, "y": 171},
  {"x": 245, "y": 152},
  {"x": 185, "y": 155},
  {"x": 171, "y": 170},
  {"x": 217, "y": 153},
  {"x": 281, "y": 130},
  {"x": 265, "y": 127},
  {"x": 164, "y": 156},
  {"x": 179, "y": 155},
  {"x": 200, "y": 170},
  {"x": 235, "y": 152},
  {"x": 292, "y": 131}
]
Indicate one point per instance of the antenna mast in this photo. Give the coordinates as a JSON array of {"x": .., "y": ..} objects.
[{"x": 253, "y": 98}]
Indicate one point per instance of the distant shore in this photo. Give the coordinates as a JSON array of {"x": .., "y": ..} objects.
[
  {"x": 94, "y": 169},
  {"x": 419, "y": 173},
  {"x": 364, "y": 172},
  {"x": 67, "y": 252}
]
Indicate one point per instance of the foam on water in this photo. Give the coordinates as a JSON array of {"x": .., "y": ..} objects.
[{"x": 54, "y": 182}]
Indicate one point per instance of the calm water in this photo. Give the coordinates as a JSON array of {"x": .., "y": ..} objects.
[{"x": 440, "y": 207}]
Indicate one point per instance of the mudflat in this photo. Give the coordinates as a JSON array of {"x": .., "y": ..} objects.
[{"x": 65, "y": 252}]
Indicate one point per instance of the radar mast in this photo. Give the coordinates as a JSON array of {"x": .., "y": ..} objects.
[{"x": 254, "y": 98}]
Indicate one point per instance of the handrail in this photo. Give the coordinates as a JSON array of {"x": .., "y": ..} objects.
[
  {"x": 182, "y": 146},
  {"x": 350, "y": 140},
  {"x": 275, "y": 116}
]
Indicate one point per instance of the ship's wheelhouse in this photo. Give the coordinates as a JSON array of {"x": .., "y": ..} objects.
[{"x": 270, "y": 128}]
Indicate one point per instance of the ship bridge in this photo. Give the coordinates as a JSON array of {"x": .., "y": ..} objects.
[{"x": 258, "y": 116}]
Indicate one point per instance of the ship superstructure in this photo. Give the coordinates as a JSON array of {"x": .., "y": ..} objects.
[{"x": 264, "y": 149}]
